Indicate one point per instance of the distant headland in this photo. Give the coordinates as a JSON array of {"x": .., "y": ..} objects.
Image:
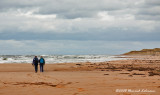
[{"x": 155, "y": 51}]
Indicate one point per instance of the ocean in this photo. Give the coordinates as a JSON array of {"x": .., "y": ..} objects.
[{"x": 51, "y": 59}]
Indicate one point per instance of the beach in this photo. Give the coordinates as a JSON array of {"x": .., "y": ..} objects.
[{"x": 137, "y": 76}]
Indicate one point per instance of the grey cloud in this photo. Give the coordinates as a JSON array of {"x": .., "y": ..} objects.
[
  {"x": 153, "y": 2},
  {"x": 6, "y": 5},
  {"x": 149, "y": 10},
  {"x": 101, "y": 27},
  {"x": 81, "y": 8},
  {"x": 67, "y": 9},
  {"x": 71, "y": 9},
  {"x": 108, "y": 23},
  {"x": 154, "y": 11},
  {"x": 111, "y": 34},
  {"x": 148, "y": 17}
]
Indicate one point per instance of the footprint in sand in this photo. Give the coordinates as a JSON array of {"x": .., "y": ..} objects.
[
  {"x": 43, "y": 77},
  {"x": 80, "y": 89},
  {"x": 37, "y": 77},
  {"x": 35, "y": 92},
  {"x": 75, "y": 93},
  {"x": 24, "y": 84},
  {"x": 29, "y": 75},
  {"x": 59, "y": 83}
]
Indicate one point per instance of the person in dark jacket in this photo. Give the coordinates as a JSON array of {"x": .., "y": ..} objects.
[
  {"x": 41, "y": 63},
  {"x": 35, "y": 63}
]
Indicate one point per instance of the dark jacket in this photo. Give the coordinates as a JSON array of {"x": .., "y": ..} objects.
[{"x": 35, "y": 61}]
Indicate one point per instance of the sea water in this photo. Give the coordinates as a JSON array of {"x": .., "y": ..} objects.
[{"x": 58, "y": 58}]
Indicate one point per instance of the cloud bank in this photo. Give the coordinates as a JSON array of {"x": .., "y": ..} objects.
[{"x": 78, "y": 21}]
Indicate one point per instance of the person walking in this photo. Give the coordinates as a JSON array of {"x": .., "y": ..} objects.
[
  {"x": 41, "y": 63},
  {"x": 35, "y": 63}
]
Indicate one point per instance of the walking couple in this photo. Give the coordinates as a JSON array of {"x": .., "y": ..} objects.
[{"x": 41, "y": 62}]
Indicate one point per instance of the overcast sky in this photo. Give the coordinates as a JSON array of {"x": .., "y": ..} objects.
[{"x": 78, "y": 26}]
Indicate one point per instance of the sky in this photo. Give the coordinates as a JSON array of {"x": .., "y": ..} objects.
[{"x": 78, "y": 26}]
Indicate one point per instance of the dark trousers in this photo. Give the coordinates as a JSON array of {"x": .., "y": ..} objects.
[
  {"x": 36, "y": 68},
  {"x": 41, "y": 67}
]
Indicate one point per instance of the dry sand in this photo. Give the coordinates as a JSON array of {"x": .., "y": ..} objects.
[{"x": 123, "y": 77}]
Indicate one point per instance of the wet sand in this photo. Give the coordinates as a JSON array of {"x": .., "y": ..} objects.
[{"x": 123, "y": 77}]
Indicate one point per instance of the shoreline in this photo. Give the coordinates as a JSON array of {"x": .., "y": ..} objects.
[{"x": 59, "y": 58}]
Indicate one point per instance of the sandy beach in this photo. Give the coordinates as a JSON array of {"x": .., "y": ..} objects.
[{"x": 139, "y": 76}]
